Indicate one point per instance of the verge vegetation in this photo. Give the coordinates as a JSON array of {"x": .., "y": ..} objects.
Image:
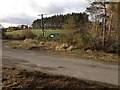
[
  {"x": 16, "y": 78},
  {"x": 64, "y": 49}
]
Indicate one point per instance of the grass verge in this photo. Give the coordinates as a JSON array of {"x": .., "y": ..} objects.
[
  {"x": 36, "y": 32},
  {"x": 50, "y": 46},
  {"x": 31, "y": 80}
]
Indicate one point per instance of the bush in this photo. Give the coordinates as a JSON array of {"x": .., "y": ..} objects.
[
  {"x": 15, "y": 37},
  {"x": 28, "y": 34},
  {"x": 74, "y": 39},
  {"x": 39, "y": 37},
  {"x": 112, "y": 46},
  {"x": 65, "y": 39},
  {"x": 3, "y": 33},
  {"x": 78, "y": 39}
]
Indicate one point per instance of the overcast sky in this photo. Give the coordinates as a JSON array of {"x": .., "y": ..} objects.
[{"x": 14, "y": 12}]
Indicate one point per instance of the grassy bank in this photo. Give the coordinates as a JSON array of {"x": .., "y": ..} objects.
[
  {"x": 31, "y": 80},
  {"x": 36, "y": 32},
  {"x": 75, "y": 52}
]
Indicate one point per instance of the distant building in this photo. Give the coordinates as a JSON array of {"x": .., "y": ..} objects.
[{"x": 23, "y": 26}]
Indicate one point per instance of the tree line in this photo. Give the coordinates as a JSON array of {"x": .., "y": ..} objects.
[{"x": 68, "y": 21}]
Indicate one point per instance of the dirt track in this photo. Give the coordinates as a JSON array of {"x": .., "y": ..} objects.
[{"x": 85, "y": 69}]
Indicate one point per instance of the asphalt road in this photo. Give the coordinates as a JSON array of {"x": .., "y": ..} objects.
[{"x": 56, "y": 64}]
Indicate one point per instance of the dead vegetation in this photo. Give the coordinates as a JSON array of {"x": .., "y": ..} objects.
[
  {"x": 64, "y": 49},
  {"x": 32, "y": 80}
]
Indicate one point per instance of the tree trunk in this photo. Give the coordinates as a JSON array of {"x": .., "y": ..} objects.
[
  {"x": 110, "y": 23},
  {"x": 104, "y": 27}
]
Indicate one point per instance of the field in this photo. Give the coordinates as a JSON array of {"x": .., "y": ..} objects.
[{"x": 37, "y": 32}]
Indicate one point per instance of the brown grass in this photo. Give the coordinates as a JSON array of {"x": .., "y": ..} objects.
[
  {"x": 19, "y": 78},
  {"x": 89, "y": 54}
]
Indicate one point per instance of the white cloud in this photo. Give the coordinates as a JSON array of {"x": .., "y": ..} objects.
[{"x": 25, "y": 11}]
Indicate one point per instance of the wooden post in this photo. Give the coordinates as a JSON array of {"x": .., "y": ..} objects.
[{"x": 42, "y": 24}]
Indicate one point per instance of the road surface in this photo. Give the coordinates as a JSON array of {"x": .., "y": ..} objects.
[{"x": 57, "y": 64}]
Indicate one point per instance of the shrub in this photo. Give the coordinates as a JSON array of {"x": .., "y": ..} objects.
[
  {"x": 74, "y": 39},
  {"x": 3, "y": 33},
  {"x": 65, "y": 39},
  {"x": 8, "y": 37},
  {"x": 78, "y": 39},
  {"x": 28, "y": 34},
  {"x": 112, "y": 46},
  {"x": 15, "y": 37},
  {"x": 39, "y": 37}
]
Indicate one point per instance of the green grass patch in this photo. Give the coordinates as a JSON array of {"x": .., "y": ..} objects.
[
  {"x": 37, "y": 32},
  {"x": 18, "y": 32}
]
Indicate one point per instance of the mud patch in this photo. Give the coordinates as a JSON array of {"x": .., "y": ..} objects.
[
  {"x": 61, "y": 67},
  {"x": 93, "y": 66},
  {"x": 31, "y": 65},
  {"x": 24, "y": 61},
  {"x": 47, "y": 68}
]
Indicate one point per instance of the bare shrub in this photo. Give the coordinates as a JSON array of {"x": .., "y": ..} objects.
[{"x": 28, "y": 34}]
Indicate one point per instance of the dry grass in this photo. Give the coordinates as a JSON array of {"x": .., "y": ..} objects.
[
  {"x": 19, "y": 78},
  {"x": 95, "y": 55}
]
